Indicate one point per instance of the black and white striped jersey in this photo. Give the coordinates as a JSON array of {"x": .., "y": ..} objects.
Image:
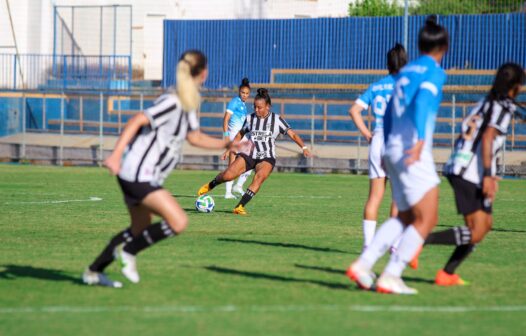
[
  {"x": 157, "y": 148},
  {"x": 263, "y": 132},
  {"x": 466, "y": 159}
]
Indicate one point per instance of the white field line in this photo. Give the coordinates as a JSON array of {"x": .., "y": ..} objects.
[
  {"x": 278, "y": 196},
  {"x": 91, "y": 199},
  {"x": 257, "y": 309}
]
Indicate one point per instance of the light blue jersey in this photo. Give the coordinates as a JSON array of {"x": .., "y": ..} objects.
[
  {"x": 412, "y": 111},
  {"x": 238, "y": 111},
  {"x": 377, "y": 96}
]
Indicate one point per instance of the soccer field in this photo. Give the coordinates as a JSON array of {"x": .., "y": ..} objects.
[{"x": 278, "y": 271}]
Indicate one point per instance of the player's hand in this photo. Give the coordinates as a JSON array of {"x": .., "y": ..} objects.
[
  {"x": 307, "y": 153},
  {"x": 225, "y": 155},
  {"x": 113, "y": 163},
  {"x": 413, "y": 154},
  {"x": 490, "y": 187},
  {"x": 368, "y": 137}
]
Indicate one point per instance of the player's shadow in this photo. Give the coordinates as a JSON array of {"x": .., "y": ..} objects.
[
  {"x": 13, "y": 272},
  {"x": 493, "y": 229},
  {"x": 280, "y": 278},
  {"x": 217, "y": 211},
  {"x": 285, "y": 245}
]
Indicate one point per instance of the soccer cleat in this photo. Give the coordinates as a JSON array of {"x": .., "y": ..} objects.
[
  {"x": 363, "y": 277},
  {"x": 238, "y": 190},
  {"x": 203, "y": 190},
  {"x": 414, "y": 262},
  {"x": 230, "y": 196},
  {"x": 240, "y": 210},
  {"x": 445, "y": 279},
  {"x": 390, "y": 284},
  {"x": 128, "y": 263},
  {"x": 100, "y": 279}
]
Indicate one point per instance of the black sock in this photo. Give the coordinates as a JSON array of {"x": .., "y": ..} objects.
[
  {"x": 214, "y": 183},
  {"x": 247, "y": 196},
  {"x": 458, "y": 256},
  {"x": 152, "y": 235},
  {"x": 459, "y": 235},
  {"x": 106, "y": 256}
]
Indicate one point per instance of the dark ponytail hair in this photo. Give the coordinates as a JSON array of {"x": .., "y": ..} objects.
[
  {"x": 396, "y": 58},
  {"x": 508, "y": 76},
  {"x": 244, "y": 83},
  {"x": 432, "y": 36},
  {"x": 263, "y": 94}
]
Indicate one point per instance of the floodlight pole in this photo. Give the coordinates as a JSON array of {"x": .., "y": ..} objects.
[{"x": 406, "y": 22}]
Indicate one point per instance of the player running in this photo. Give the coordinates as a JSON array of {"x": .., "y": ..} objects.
[
  {"x": 472, "y": 169},
  {"x": 148, "y": 149},
  {"x": 235, "y": 116},
  {"x": 377, "y": 96},
  {"x": 263, "y": 126},
  {"x": 408, "y": 126}
]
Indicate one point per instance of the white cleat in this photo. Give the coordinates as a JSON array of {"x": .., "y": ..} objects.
[
  {"x": 390, "y": 284},
  {"x": 128, "y": 263},
  {"x": 230, "y": 196},
  {"x": 99, "y": 279},
  {"x": 238, "y": 190},
  {"x": 363, "y": 277}
]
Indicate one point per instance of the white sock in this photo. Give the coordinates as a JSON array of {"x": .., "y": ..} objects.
[
  {"x": 396, "y": 244},
  {"x": 369, "y": 226},
  {"x": 409, "y": 244},
  {"x": 243, "y": 178},
  {"x": 383, "y": 239},
  {"x": 228, "y": 186}
]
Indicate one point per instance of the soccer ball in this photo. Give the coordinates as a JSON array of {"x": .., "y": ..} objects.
[{"x": 204, "y": 203}]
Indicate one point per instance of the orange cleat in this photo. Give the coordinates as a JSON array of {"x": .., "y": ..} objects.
[
  {"x": 203, "y": 190},
  {"x": 240, "y": 210},
  {"x": 414, "y": 262},
  {"x": 445, "y": 279}
]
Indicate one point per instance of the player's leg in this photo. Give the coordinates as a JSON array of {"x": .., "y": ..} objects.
[
  {"x": 140, "y": 219},
  {"x": 229, "y": 184},
  {"x": 423, "y": 220},
  {"x": 370, "y": 213},
  {"x": 263, "y": 169},
  {"x": 238, "y": 167}
]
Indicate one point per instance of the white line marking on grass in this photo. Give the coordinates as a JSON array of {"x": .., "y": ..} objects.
[
  {"x": 257, "y": 309},
  {"x": 91, "y": 199},
  {"x": 274, "y": 196}
]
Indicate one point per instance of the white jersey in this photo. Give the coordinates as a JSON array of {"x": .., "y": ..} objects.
[
  {"x": 466, "y": 159},
  {"x": 157, "y": 148}
]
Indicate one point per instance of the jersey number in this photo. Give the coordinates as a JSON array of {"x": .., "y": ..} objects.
[{"x": 399, "y": 99}]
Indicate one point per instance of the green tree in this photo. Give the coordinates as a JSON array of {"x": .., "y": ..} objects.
[
  {"x": 447, "y": 7},
  {"x": 375, "y": 8}
]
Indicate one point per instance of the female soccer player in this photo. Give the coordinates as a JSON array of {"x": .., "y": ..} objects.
[
  {"x": 263, "y": 126},
  {"x": 472, "y": 169},
  {"x": 235, "y": 116},
  {"x": 408, "y": 127},
  {"x": 146, "y": 152},
  {"x": 377, "y": 96}
]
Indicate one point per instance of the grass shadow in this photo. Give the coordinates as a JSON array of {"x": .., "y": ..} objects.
[
  {"x": 285, "y": 245},
  {"x": 280, "y": 278},
  {"x": 322, "y": 269},
  {"x": 493, "y": 229},
  {"x": 13, "y": 272},
  {"x": 219, "y": 211}
]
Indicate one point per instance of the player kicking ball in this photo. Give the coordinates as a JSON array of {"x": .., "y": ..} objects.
[{"x": 262, "y": 128}]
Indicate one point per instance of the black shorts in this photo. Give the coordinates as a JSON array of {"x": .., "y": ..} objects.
[
  {"x": 251, "y": 163},
  {"x": 468, "y": 196},
  {"x": 135, "y": 192}
]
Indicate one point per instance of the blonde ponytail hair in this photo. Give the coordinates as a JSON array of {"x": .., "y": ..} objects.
[{"x": 191, "y": 64}]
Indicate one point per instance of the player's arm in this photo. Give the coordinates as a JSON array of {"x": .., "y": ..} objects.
[
  {"x": 489, "y": 182},
  {"x": 226, "y": 120},
  {"x": 113, "y": 162},
  {"x": 356, "y": 115},
  {"x": 200, "y": 139},
  {"x": 297, "y": 139}
]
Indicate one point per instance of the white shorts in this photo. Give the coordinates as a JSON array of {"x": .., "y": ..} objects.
[
  {"x": 376, "y": 151},
  {"x": 411, "y": 183}
]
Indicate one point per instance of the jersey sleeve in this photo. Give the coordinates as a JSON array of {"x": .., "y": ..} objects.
[
  {"x": 193, "y": 121},
  {"x": 246, "y": 125},
  {"x": 500, "y": 118},
  {"x": 366, "y": 98},
  {"x": 161, "y": 111},
  {"x": 427, "y": 101},
  {"x": 283, "y": 126},
  {"x": 232, "y": 106}
]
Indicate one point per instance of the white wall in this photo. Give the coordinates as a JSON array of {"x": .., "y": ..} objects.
[{"x": 33, "y": 22}]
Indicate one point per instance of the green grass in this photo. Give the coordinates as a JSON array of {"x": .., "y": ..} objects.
[{"x": 278, "y": 271}]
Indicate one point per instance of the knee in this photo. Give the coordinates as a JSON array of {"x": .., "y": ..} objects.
[
  {"x": 479, "y": 232},
  {"x": 179, "y": 223}
]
